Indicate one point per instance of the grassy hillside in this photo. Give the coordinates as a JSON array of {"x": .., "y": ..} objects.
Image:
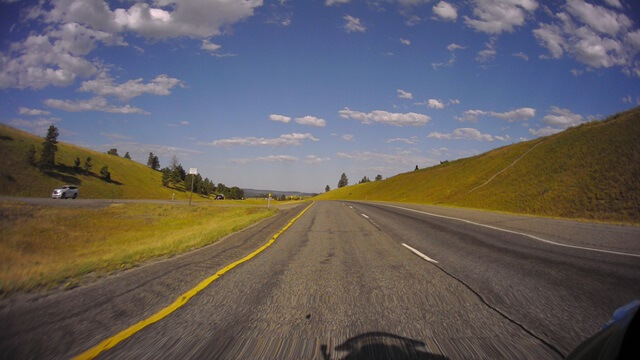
[
  {"x": 130, "y": 179},
  {"x": 591, "y": 171}
]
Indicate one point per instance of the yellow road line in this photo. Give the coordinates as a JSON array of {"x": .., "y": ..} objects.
[{"x": 183, "y": 299}]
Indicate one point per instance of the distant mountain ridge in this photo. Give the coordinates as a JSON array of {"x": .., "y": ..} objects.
[
  {"x": 591, "y": 171},
  {"x": 274, "y": 193}
]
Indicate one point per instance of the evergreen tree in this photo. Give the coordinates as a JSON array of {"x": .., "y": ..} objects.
[
  {"x": 364, "y": 180},
  {"x": 150, "y": 160},
  {"x": 127, "y": 156},
  {"x": 104, "y": 171},
  {"x": 327, "y": 188},
  {"x": 166, "y": 176},
  {"x": 76, "y": 163},
  {"x": 378, "y": 177},
  {"x": 416, "y": 169},
  {"x": 49, "y": 148},
  {"x": 344, "y": 181},
  {"x": 113, "y": 152},
  {"x": 88, "y": 165},
  {"x": 31, "y": 155},
  {"x": 156, "y": 163}
]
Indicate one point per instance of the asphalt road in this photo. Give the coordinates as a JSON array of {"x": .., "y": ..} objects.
[{"x": 340, "y": 284}]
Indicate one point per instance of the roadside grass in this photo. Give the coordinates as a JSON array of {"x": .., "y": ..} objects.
[
  {"x": 45, "y": 247},
  {"x": 589, "y": 172}
]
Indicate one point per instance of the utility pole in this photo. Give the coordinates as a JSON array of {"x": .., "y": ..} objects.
[{"x": 193, "y": 172}]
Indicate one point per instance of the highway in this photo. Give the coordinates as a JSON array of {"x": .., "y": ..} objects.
[{"x": 352, "y": 280}]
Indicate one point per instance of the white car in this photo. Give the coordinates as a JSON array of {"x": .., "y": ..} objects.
[{"x": 65, "y": 191}]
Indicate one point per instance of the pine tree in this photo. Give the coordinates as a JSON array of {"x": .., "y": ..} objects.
[
  {"x": 327, "y": 188},
  {"x": 113, "y": 152},
  {"x": 416, "y": 169},
  {"x": 127, "y": 156},
  {"x": 88, "y": 165},
  {"x": 49, "y": 148},
  {"x": 378, "y": 177},
  {"x": 150, "y": 160},
  {"x": 344, "y": 181},
  {"x": 31, "y": 155},
  {"x": 156, "y": 163},
  {"x": 76, "y": 163}
]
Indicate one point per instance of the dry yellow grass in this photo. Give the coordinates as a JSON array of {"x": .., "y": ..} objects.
[{"x": 46, "y": 247}]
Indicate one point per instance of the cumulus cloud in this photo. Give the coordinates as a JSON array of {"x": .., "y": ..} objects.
[
  {"x": 596, "y": 36},
  {"x": 466, "y": 134},
  {"x": 209, "y": 46},
  {"x": 311, "y": 121},
  {"x": 435, "y": 104},
  {"x": 347, "y": 137},
  {"x": 510, "y": 116},
  {"x": 294, "y": 139},
  {"x": 104, "y": 86},
  {"x": 279, "y": 118},
  {"x": 38, "y": 126},
  {"x": 562, "y": 118},
  {"x": 545, "y": 131},
  {"x": 404, "y": 94},
  {"x": 405, "y": 41},
  {"x": 32, "y": 112},
  {"x": 497, "y": 16},
  {"x": 384, "y": 117},
  {"x": 445, "y": 11},
  {"x": 97, "y": 103},
  {"x": 353, "y": 24}
]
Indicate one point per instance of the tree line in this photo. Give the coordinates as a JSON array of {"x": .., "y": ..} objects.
[{"x": 344, "y": 181}]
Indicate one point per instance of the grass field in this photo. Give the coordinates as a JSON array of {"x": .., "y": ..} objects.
[
  {"x": 591, "y": 172},
  {"x": 45, "y": 247}
]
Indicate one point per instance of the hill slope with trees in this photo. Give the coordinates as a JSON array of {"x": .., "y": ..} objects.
[
  {"x": 33, "y": 166},
  {"x": 591, "y": 171}
]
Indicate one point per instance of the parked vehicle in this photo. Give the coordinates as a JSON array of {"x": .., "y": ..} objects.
[
  {"x": 219, "y": 197},
  {"x": 65, "y": 191}
]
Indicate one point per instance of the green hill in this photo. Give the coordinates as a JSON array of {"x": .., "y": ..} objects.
[
  {"x": 130, "y": 179},
  {"x": 591, "y": 171}
]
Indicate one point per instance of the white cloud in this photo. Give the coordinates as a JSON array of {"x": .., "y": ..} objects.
[
  {"x": 489, "y": 53},
  {"x": 283, "y": 140},
  {"x": 409, "y": 141},
  {"x": 314, "y": 159},
  {"x": 270, "y": 158},
  {"x": 209, "y": 46},
  {"x": 335, "y": 2},
  {"x": 384, "y": 117},
  {"x": 406, "y": 158},
  {"x": 405, "y": 41},
  {"x": 39, "y": 126},
  {"x": 311, "y": 121},
  {"x": 347, "y": 137},
  {"x": 521, "y": 55},
  {"x": 626, "y": 99},
  {"x": 97, "y": 103},
  {"x": 510, "y": 116},
  {"x": 497, "y": 16},
  {"x": 435, "y": 104},
  {"x": 32, "y": 112},
  {"x": 104, "y": 86},
  {"x": 198, "y": 19},
  {"x": 614, "y": 3},
  {"x": 353, "y": 24},
  {"x": 594, "y": 35},
  {"x": 404, "y": 94},
  {"x": 545, "y": 131},
  {"x": 445, "y": 11},
  {"x": 279, "y": 118},
  {"x": 562, "y": 118},
  {"x": 452, "y": 59},
  {"x": 466, "y": 134}
]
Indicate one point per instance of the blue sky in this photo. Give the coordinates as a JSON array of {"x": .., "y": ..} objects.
[{"x": 287, "y": 95}]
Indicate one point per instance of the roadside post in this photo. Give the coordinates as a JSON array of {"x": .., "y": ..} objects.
[
  {"x": 269, "y": 201},
  {"x": 193, "y": 172}
]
